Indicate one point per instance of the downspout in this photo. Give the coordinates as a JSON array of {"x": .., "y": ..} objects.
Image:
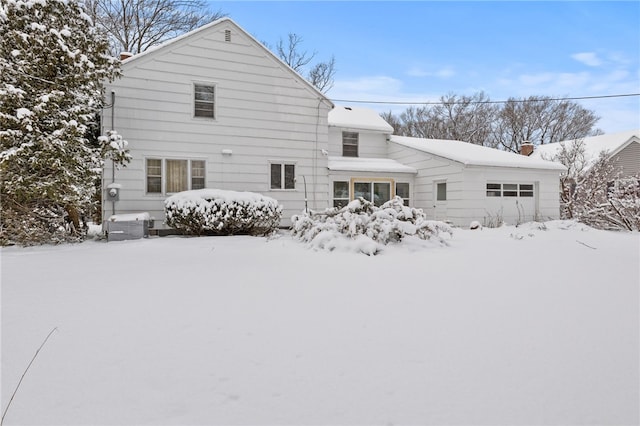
[
  {"x": 113, "y": 162},
  {"x": 315, "y": 160}
]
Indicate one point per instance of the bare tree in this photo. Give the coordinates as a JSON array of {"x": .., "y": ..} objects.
[
  {"x": 136, "y": 25},
  {"x": 465, "y": 118},
  {"x": 394, "y": 121},
  {"x": 321, "y": 75},
  {"x": 541, "y": 120},
  {"x": 291, "y": 52},
  {"x": 478, "y": 120},
  {"x": 593, "y": 191}
]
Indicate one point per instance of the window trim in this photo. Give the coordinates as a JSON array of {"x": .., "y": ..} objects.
[
  {"x": 214, "y": 102},
  {"x": 283, "y": 182},
  {"x": 371, "y": 181},
  {"x": 407, "y": 201},
  {"x": 346, "y": 200},
  {"x": 163, "y": 173},
  {"x": 348, "y": 136},
  {"x": 495, "y": 189}
]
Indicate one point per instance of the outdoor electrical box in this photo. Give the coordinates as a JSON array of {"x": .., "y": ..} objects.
[{"x": 113, "y": 192}]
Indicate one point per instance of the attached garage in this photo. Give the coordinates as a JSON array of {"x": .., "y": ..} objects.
[{"x": 460, "y": 182}]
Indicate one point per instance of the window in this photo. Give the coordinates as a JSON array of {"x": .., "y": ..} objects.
[
  {"x": 197, "y": 174},
  {"x": 283, "y": 176},
  {"x": 340, "y": 194},
  {"x": 441, "y": 191},
  {"x": 154, "y": 176},
  {"x": 177, "y": 179},
  {"x": 526, "y": 190},
  {"x": 494, "y": 190},
  {"x": 204, "y": 105},
  {"x": 402, "y": 191},
  {"x": 509, "y": 190},
  {"x": 349, "y": 144},
  {"x": 377, "y": 192},
  {"x": 174, "y": 175}
]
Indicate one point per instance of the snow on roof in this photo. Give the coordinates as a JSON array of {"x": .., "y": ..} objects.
[
  {"x": 129, "y": 217},
  {"x": 593, "y": 146},
  {"x": 359, "y": 164},
  {"x": 358, "y": 118},
  {"x": 474, "y": 155}
]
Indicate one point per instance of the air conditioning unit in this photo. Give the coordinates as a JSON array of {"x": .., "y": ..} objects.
[{"x": 122, "y": 227}]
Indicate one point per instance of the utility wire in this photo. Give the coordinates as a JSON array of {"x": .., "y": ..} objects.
[{"x": 535, "y": 99}]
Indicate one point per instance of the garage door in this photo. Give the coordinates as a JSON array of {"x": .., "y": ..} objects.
[{"x": 512, "y": 202}]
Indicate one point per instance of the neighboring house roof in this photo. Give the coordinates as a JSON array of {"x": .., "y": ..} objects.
[
  {"x": 358, "y": 119},
  {"x": 612, "y": 143},
  {"x": 153, "y": 50},
  {"x": 359, "y": 164},
  {"x": 474, "y": 155}
]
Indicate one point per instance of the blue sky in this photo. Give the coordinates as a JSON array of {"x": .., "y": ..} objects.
[{"x": 417, "y": 51}]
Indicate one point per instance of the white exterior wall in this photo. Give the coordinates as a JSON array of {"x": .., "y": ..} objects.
[
  {"x": 264, "y": 113},
  {"x": 432, "y": 170},
  {"x": 627, "y": 161},
  {"x": 545, "y": 205},
  {"x": 466, "y": 190},
  {"x": 370, "y": 144}
]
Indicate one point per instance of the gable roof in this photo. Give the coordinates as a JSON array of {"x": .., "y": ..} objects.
[
  {"x": 210, "y": 27},
  {"x": 361, "y": 164},
  {"x": 474, "y": 155},
  {"x": 593, "y": 146},
  {"x": 358, "y": 119}
]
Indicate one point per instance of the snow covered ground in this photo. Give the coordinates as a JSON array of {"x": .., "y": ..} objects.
[{"x": 502, "y": 326}]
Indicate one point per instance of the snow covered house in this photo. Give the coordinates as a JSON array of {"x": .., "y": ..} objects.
[
  {"x": 215, "y": 109},
  {"x": 450, "y": 180},
  {"x": 623, "y": 147}
]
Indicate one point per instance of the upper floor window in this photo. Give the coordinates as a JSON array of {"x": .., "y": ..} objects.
[
  {"x": 349, "y": 144},
  {"x": 283, "y": 176},
  {"x": 204, "y": 100}
]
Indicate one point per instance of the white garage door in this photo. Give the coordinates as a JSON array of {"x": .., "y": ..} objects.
[{"x": 511, "y": 202}]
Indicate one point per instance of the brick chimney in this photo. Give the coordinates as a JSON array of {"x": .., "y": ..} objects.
[
  {"x": 526, "y": 148},
  {"x": 125, "y": 55}
]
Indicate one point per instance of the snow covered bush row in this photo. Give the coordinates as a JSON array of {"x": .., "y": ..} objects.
[
  {"x": 367, "y": 226},
  {"x": 219, "y": 212}
]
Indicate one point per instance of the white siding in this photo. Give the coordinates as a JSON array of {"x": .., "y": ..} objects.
[
  {"x": 432, "y": 169},
  {"x": 628, "y": 160},
  {"x": 545, "y": 204},
  {"x": 370, "y": 144},
  {"x": 264, "y": 113},
  {"x": 466, "y": 189}
]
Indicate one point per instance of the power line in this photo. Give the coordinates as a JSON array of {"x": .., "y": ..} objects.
[{"x": 575, "y": 98}]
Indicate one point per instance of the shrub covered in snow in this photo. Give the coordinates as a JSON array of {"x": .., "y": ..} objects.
[
  {"x": 368, "y": 226},
  {"x": 594, "y": 192},
  {"x": 219, "y": 212}
]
